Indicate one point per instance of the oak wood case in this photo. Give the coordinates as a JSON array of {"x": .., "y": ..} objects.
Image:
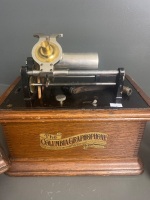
[{"x": 124, "y": 127}]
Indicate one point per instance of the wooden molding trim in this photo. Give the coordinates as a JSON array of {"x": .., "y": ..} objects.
[{"x": 102, "y": 167}]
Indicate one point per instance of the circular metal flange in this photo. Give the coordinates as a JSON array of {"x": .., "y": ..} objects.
[
  {"x": 32, "y": 80},
  {"x": 47, "y": 52}
]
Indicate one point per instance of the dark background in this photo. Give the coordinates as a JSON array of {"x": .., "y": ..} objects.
[{"x": 119, "y": 30}]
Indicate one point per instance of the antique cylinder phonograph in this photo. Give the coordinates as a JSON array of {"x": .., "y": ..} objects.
[
  {"x": 67, "y": 116},
  {"x": 50, "y": 67}
]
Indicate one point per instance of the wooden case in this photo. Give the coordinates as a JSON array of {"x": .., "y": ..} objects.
[{"x": 43, "y": 142}]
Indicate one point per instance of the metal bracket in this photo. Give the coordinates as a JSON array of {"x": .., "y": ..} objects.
[
  {"x": 119, "y": 84},
  {"x": 47, "y": 44},
  {"x": 25, "y": 86}
]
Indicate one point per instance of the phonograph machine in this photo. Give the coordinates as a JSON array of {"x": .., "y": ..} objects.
[{"x": 65, "y": 116}]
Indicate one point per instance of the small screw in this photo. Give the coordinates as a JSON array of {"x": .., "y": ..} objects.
[
  {"x": 94, "y": 103},
  {"x": 9, "y": 106}
]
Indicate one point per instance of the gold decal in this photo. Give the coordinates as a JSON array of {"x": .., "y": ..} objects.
[{"x": 87, "y": 140}]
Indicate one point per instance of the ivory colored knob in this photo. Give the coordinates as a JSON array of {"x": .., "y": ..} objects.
[{"x": 61, "y": 98}]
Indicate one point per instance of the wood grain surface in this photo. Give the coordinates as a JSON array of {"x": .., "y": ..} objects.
[{"x": 124, "y": 128}]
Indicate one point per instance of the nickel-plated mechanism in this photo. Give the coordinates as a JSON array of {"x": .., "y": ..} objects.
[
  {"x": 65, "y": 109},
  {"x": 50, "y": 67}
]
